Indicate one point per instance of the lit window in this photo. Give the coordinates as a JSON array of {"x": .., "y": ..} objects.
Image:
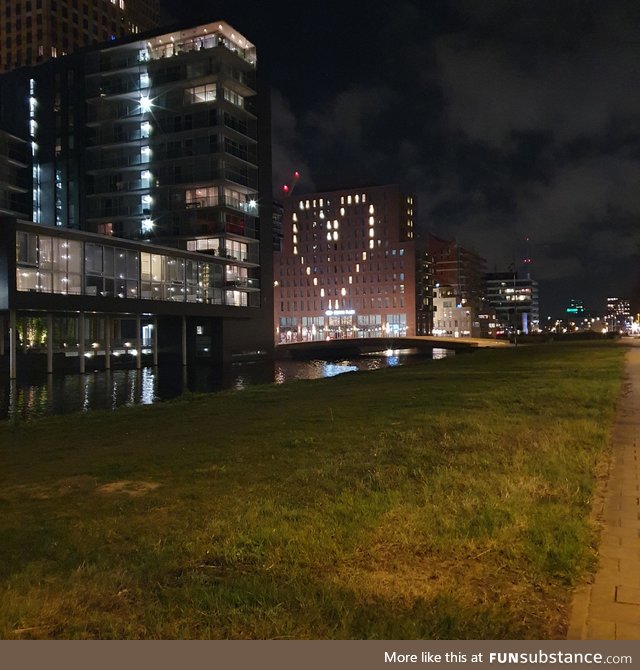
[
  {"x": 341, "y": 211},
  {"x": 364, "y": 255},
  {"x": 371, "y": 209},
  {"x": 348, "y": 200},
  {"x": 203, "y": 93},
  {"x": 335, "y": 235},
  {"x": 357, "y": 199},
  {"x": 371, "y": 244}
]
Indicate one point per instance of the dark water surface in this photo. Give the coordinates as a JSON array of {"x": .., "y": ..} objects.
[{"x": 44, "y": 395}]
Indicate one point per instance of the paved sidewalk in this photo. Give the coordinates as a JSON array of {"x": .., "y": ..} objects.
[{"x": 609, "y": 609}]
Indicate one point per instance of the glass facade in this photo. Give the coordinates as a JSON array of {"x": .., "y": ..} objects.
[{"x": 48, "y": 264}]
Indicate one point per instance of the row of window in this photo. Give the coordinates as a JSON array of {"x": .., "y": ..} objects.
[
  {"x": 58, "y": 265},
  {"x": 315, "y": 305}
]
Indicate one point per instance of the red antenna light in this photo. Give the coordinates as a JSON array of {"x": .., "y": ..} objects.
[{"x": 288, "y": 190}]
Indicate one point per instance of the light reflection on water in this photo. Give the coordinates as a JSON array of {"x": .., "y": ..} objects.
[{"x": 44, "y": 395}]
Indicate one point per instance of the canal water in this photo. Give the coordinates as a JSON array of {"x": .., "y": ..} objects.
[{"x": 33, "y": 397}]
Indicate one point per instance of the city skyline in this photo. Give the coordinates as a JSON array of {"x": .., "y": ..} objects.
[{"x": 507, "y": 122}]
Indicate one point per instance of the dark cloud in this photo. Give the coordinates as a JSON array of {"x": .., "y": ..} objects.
[{"x": 507, "y": 119}]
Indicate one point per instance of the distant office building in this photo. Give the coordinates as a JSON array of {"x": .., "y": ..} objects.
[
  {"x": 513, "y": 300},
  {"x": 459, "y": 272},
  {"x": 33, "y": 31},
  {"x": 619, "y": 318},
  {"x": 575, "y": 308},
  {"x": 347, "y": 265},
  {"x": 156, "y": 138}
]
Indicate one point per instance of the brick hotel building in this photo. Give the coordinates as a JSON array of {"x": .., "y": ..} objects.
[{"x": 346, "y": 267}]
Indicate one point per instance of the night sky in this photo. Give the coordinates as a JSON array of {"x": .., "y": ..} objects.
[{"x": 507, "y": 119}]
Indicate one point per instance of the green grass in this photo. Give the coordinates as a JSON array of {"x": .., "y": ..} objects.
[{"x": 444, "y": 500}]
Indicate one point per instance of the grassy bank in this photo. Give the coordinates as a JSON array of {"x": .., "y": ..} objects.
[{"x": 444, "y": 500}]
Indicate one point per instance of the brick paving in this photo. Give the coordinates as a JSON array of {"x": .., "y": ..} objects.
[{"x": 609, "y": 608}]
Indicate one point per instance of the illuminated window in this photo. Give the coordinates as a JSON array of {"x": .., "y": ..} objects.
[
  {"x": 371, "y": 209},
  {"x": 348, "y": 200},
  {"x": 371, "y": 244},
  {"x": 357, "y": 199},
  {"x": 364, "y": 255},
  {"x": 341, "y": 211},
  {"x": 203, "y": 93}
]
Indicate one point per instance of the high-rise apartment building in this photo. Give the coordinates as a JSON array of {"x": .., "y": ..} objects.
[
  {"x": 461, "y": 272},
  {"x": 34, "y": 31},
  {"x": 347, "y": 265},
  {"x": 15, "y": 186},
  {"x": 424, "y": 292},
  {"x": 161, "y": 138}
]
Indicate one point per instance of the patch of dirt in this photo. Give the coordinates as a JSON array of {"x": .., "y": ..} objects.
[
  {"x": 78, "y": 484},
  {"x": 130, "y": 488}
]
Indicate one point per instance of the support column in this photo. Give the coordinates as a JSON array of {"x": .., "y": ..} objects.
[
  {"x": 154, "y": 345},
  {"x": 184, "y": 340},
  {"x": 107, "y": 343},
  {"x": 49, "y": 343},
  {"x": 12, "y": 344},
  {"x": 81, "y": 342},
  {"x": 138, "y": 343}
]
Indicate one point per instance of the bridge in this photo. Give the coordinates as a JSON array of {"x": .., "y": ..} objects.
[{"x": 362, "y": 345}]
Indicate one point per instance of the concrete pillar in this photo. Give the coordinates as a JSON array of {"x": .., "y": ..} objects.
[
  {"x": 13, "y": 340},
  {"x": 184, "y": 340},
  {"x": 154, "y": 345},
  {"x": 107, "y": 343},
  {"x": 81, "y": 342},
  {"x": 49, "y": 343},
  {"x": 138, "y": 342}
]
